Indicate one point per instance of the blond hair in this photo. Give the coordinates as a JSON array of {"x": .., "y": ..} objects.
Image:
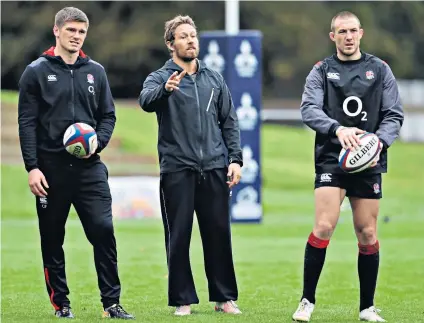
[{"x": 172, "y": 25}]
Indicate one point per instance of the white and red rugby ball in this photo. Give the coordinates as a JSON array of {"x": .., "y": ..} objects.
[{"x": 355, "y": 161}]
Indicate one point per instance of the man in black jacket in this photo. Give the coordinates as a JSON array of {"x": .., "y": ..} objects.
[
  {"x": 62, "y": 87},
  {"x": 197, "y": 127}
]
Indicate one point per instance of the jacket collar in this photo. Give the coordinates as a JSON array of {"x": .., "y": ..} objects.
[{"x": 82, "y": 58}]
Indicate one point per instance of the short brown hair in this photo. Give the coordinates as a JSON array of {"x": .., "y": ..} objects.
[
  {"x": 70, "y": 14},
  {"x": 344, "y": 14},
  {"x": 172, "y": 24}
]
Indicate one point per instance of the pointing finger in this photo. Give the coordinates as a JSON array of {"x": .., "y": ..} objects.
[
  {"x": 173, "y": 75},
  {"x": 182, "y": 74}
]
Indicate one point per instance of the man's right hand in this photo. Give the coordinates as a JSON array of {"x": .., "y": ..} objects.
[
  {"x": 36, "y": 181},
  {"x": 174, "y": 81},
  {"x": 348, "y": 137}
]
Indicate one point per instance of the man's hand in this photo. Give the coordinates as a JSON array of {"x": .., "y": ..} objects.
[
  {"x": 36, "y": 181},
  {"x": 93, "y": 150},
  {"x": 234, "y": 174},
  {"x": 377, "y": 158},
  {"x": 174, "y": 81},
  {"x": 348, "y": 137}
]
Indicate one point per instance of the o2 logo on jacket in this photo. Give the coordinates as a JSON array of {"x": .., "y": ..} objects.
[
  {"x": 91, "y": 89},
  {"x": 358, "y": 108}
]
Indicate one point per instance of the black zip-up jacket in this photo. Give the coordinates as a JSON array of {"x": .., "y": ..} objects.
[
  {"x": 52, "y": 96},
  {"x": 196, "y": 122}
]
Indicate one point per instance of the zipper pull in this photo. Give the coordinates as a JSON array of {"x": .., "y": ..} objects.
[{"x": 210, "y": 100}]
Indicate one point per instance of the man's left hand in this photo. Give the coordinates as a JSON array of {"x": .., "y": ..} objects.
[
  {"x": 93, "y": 150},
  {"x": 234, "y": 174}
]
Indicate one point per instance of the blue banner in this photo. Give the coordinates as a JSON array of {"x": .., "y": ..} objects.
[{"x": 239, "y": 59}]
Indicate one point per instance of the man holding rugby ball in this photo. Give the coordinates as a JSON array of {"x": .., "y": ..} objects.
[{"x": 345, "y": 95}]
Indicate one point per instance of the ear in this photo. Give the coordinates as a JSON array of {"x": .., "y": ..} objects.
[
  {"x": 331, "y": 34},
  {"x": 361, "y": 33},
  {"x": 56, "y": 30},
  {"x": 170, "y": 46}
]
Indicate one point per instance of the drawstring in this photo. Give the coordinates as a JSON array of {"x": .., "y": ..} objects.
[{"x": 200, "y": 176}]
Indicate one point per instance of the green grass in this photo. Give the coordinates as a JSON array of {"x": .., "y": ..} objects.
[
  {"x": 268, "y": 257},
  {"x": 10, "y": 97},
  {"x": 137, "y": 130}
]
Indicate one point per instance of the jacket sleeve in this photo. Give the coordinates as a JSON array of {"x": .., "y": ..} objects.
[
  {"x": 229, "y": 126},
  {"x": 106, "y": 118},
  {"x": 28, "y": 106},
  {"x": 391, "y": 112},
  {"x": 312, "y": 104},
  {"x": 153, "y": 96}
]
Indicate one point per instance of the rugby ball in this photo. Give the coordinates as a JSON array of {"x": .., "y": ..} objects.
[
  {"x": 80, "y": 140},
  {"x": 355, "y": 161}
]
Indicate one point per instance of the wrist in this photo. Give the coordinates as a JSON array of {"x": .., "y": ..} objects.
[
  {"x": 238, "y": 162},
  {"x": 338, "y": 129},
  {"x": 31, "y": 168},
  {"x": 165, "y": 90}
]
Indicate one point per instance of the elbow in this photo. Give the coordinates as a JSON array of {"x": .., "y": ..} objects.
[
  {"x": 109, "y": 117},
  {"x": 26, "y": 124},
  {"x": 305, "y": 116},
  {"x": 303, "y": 113},
  {"x": 401, "y": 119},
  {"x": 144, "y": 105},
  {"x": 113, "y": 119}
]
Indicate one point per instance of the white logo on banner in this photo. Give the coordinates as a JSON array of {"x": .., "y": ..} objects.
[
  {"x": 247, "y": 114},
  {"x": 246, "y": 63},
  {"x": 247, "y": 206},
  {"x": 250, "y": 168},
  {"x": 213, "y": 59}
]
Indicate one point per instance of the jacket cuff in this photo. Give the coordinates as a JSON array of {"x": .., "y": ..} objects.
[
  {"x": 333, "y": 128},
  {"x": 385, "y": 145},
  {"x": 99, "y": 146},
  {"x": 165, "y": 92},
  {"x": 30, "y": 168},
  {"x": 232, "y": 161}
]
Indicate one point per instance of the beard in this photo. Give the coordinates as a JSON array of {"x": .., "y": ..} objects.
[{"x": 186, "y": 58}]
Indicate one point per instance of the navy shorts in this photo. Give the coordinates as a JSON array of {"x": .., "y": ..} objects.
[{"x": 356, "y": 185}]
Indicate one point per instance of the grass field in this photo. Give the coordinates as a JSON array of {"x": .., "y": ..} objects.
[{"x": 268, "y": 257}]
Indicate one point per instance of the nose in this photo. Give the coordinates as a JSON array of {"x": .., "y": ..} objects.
[{"x": 76, "y": 35}]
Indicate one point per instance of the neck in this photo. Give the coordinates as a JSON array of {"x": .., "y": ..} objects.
[
  {"x": 357, "y": 55},
  {"x": 68, "y": 58},
  {"x": 189, "y": 67}
]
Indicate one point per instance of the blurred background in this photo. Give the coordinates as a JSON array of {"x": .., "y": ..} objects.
[{"x": 127, "y": 39}]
